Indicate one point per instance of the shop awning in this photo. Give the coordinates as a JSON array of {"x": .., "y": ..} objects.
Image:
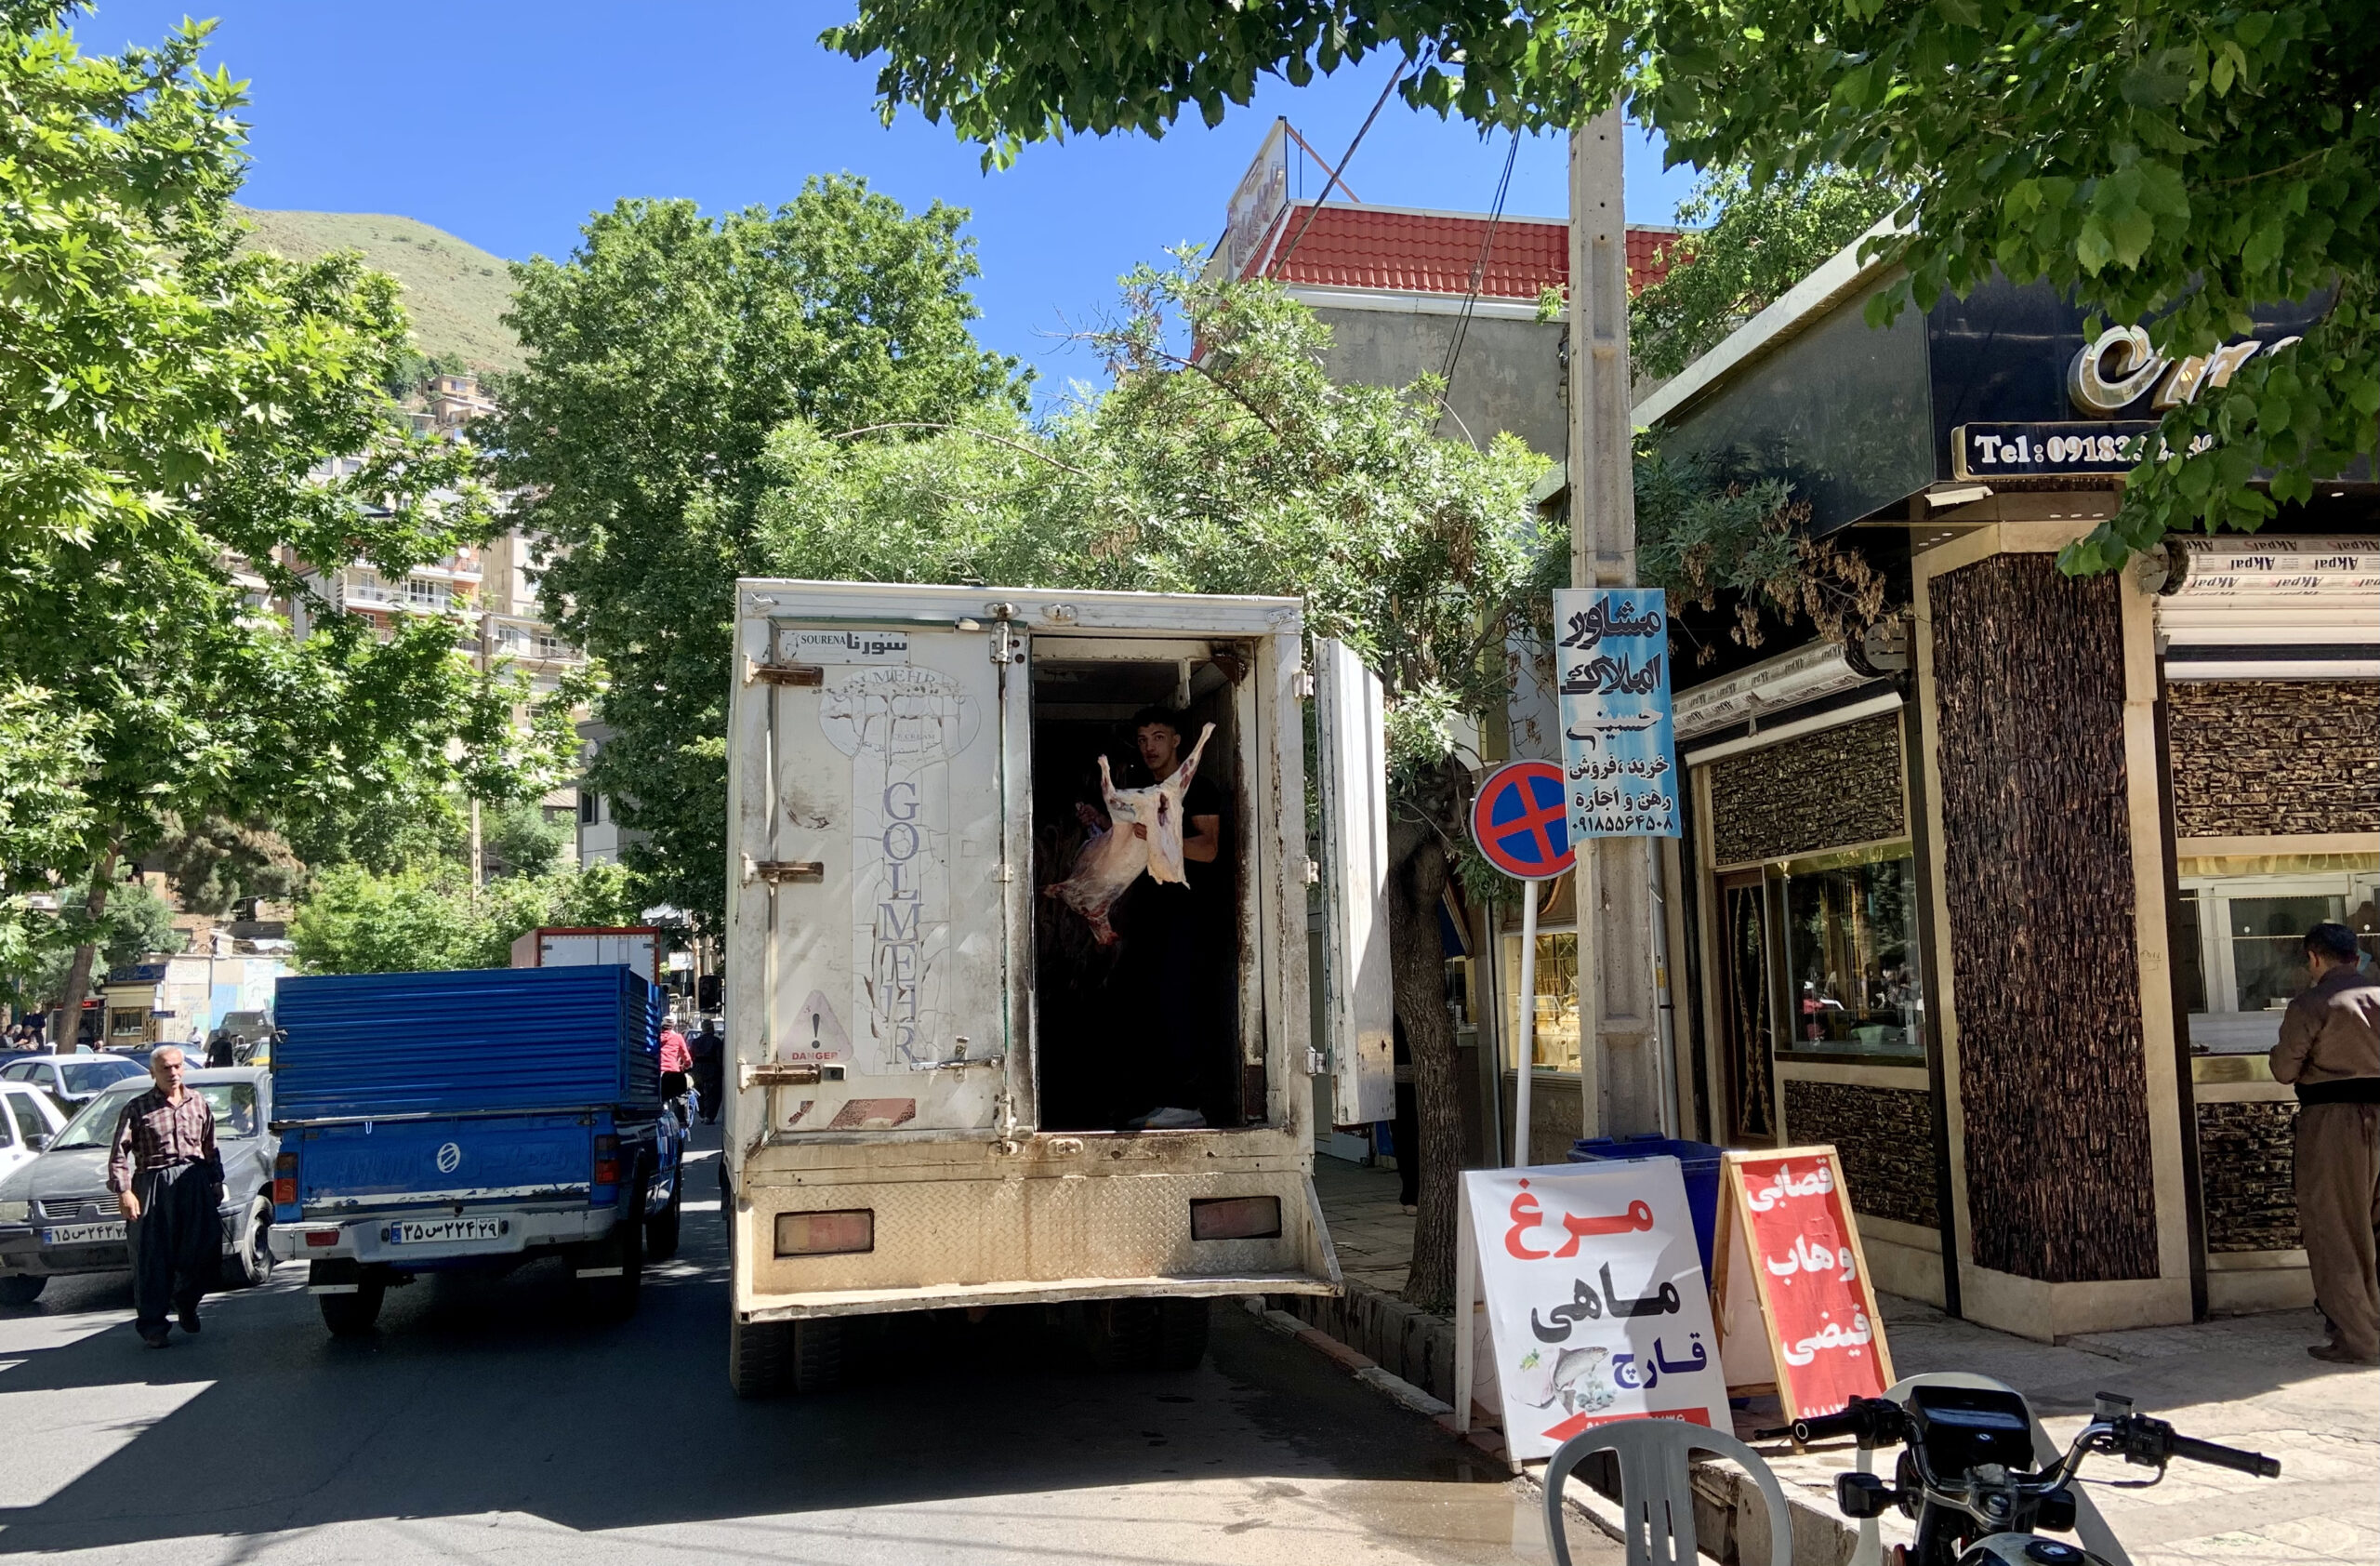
[{"x": 2255, "y": 608}]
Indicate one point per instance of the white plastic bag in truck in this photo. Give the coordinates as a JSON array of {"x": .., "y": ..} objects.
[{"x": 925, "y": 1052}]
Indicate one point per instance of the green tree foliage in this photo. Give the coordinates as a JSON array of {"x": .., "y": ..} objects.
[
  {"x": 355, "y": 921},
  {"x": 1244, "y": 471},
  {"x": 661, "y": 354},
  {"x": 522, "y": 842},
  {"x": 135, "y": 923},
  {"x": 1748, "y": 245},
  {"x": 165, "y": 400},
  {"x": 2175, "y": 163}
]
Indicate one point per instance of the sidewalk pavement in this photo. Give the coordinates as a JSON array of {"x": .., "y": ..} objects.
[{"x": 2241, "y": 1381}]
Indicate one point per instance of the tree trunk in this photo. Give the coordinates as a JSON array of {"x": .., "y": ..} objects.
[
  {"x": 1416, "y": 880},
  {"x": 78, "y": 975}
]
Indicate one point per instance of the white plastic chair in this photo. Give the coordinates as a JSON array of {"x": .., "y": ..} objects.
[
  {"x": 1656, "y": 1497},
  {"x": 2089, "y": 1526}
]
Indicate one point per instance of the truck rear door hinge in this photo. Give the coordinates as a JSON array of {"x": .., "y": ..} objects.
[
  {"x": 1301, "y": 682},
  {"x": 1312, "y": 872},
  {"x": 808, "y": 674},
  {"x": 778, "y": 872},
  {"x": 1315, "y": 1061}
]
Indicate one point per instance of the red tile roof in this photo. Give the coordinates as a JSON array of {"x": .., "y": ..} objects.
[{"x": 1395, "y": 250}]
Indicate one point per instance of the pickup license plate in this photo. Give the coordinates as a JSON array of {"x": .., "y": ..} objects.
[
  {"x": 83, "y": 1234},
  {"x": 437, "y": 1230}
]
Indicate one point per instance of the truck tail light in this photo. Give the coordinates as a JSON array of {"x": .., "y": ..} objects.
[
  {"x": 607, "y": 1161},
  {"x": 827, "y": 1234},
  {"x": 285, "y": 1180},
  {"x": 1236, "y": 1217},
  {"x": 322, "y": 1237}
]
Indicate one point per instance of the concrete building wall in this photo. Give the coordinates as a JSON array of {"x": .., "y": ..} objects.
[{"x": 1508, "y": 378}]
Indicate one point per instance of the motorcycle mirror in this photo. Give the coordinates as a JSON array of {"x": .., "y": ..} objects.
[{"x": 2107, "y": 1406}]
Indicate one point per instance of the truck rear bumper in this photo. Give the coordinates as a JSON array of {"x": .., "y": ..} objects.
[
  {"x": 1036, "y": 1238},
  {"x": 367, "y": 1239}
]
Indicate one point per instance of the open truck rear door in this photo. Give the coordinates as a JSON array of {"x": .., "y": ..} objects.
[
  {"x": 1349, "y": 709},
  {"x": 880, "y": 803}
]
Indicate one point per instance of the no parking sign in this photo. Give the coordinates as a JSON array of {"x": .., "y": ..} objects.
[{"x": 1521, "y": 821}]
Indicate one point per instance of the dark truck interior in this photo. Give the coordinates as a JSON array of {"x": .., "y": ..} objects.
[{"x": 1151, "y": 1020}]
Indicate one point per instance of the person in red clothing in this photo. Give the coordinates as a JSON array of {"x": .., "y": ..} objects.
[{"x": 677, "y": 1060}]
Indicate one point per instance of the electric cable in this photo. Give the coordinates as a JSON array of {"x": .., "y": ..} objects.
[
  {"x": 1478, "y": 279},
  {"x": 1272, "y": 266}
]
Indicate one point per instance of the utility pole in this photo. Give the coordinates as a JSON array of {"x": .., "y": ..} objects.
[{"x": 1621, "y": 1080}]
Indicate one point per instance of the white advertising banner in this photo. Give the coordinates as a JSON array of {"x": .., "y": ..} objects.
[{"x": 1596, "y": 1305}]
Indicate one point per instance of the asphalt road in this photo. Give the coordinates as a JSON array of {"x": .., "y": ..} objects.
[{"x": 484, "y": 1422}]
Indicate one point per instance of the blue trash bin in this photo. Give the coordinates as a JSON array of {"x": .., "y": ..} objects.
[{"x": 1697, "y": 1161}]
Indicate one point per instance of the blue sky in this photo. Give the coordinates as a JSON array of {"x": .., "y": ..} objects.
[{"x": 506, "y": 122}]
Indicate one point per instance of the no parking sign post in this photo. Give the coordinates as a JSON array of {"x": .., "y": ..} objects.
[{"x": 1521, "y": 822}]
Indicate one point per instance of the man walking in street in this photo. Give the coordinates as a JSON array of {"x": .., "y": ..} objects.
[
  {"x": 2330, "y": 1048},
  {"x": 165, "y": 1172}
]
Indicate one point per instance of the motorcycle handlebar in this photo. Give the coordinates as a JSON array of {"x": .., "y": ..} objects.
[
  {"x": 2225, "y": 1457},
  {"x": 1875, "y": 1421}
]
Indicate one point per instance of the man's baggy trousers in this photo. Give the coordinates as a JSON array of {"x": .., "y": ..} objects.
[
  {"x": 2338, "y": 1209},
  {"x": 176, "y": 1241}
]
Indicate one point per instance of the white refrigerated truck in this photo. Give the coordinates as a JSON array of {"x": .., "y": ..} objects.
[{"x": 915, "y": 1031}]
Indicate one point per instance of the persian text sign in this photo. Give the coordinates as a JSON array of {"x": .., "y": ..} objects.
[
  {"x": 1825, "y": 1335},
  {"x": 1597, "y": 1303},
  {"x": 1618, "y": 757}
]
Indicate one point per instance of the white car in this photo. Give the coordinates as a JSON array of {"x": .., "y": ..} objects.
[
  {"x": 70, "y": 1081},
  {"x": 29, "y": 1123}
]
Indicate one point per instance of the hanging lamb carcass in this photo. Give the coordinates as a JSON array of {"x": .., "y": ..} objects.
[{"x": 1114, "y": 859}]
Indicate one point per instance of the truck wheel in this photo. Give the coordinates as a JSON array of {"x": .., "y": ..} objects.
[
  {"x": 817, "y": 1355},
  {"x": 758, "y": 1357},
  {"x": 21, "y": 1291},
  {"x": 253, "y": 1263},
  {"x": 615, "y": 1298},
  {"x": 352, "y": 1315},
  {"x": 1121, "y": 1333},
  {"x": 1179, "y": 1341},
  {"x": 661, "y": 1229}
]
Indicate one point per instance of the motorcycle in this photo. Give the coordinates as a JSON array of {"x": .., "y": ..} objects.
[{"x": 1966, "y": 1475}]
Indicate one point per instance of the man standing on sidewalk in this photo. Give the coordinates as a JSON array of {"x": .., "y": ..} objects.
[
  {"x": 165, "y": 1174},
  {"x": 2330, "y": 1048}
]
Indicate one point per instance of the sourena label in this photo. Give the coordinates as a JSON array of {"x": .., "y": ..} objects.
[{"x": 842, "y": 647}]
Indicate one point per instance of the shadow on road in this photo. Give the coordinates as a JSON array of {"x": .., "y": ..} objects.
[{"x": 491, "y": 1395}]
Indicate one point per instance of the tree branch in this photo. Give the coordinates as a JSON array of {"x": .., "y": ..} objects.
[{"x": 968, "y": 429}]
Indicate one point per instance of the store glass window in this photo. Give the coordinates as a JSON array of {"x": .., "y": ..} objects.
[
  {"x": 1556, "y": 1041},
  {"x": 1851, "y": 959},
  {"x": 2244, "y": 948}
]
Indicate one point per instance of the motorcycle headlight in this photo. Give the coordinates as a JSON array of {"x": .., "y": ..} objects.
[{"x": 15, "y": 1212}]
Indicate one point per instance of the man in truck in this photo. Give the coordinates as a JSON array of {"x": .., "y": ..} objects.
[
  {"x": 1171, "y": 939},
  {"x": 169, "y": 1181}
]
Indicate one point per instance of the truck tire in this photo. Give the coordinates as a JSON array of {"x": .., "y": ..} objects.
[
  {"x": 661, "y": 1229},
  {"x": 817, "y": 1355},
  {"x": 615, "y": 1298},
  {"x": 253, "y": 1262},
  {"x": 1179, "y": 1341},
  {"x": 21, "y": 1291},
  {"x": 352, "y": 1315},
  {"x": 1120, "y": 1335},
  {"x": 760, "y": 1357}
]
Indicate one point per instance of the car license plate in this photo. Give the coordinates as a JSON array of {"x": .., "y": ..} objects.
[
  {"x": 83, "y": 1234},
  {"x": 433, "y": 1231}
]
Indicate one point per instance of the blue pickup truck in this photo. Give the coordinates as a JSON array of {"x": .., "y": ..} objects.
[{"x": 472, "y": 1120}]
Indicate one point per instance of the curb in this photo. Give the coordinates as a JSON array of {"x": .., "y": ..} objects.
[{"x": 1365, "y": 1369}]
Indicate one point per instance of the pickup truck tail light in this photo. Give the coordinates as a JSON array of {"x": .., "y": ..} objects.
[
  {"x": 607, "y": 1161},
  {"x": 285, "y": 1180}
]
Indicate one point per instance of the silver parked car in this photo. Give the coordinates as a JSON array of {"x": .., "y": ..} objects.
[
  {"x": 58, "y": 1217},
  {"x": 70, "y": 1079}
]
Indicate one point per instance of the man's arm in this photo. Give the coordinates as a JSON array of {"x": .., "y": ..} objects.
[
  {"x": 2299, "y": 1026},
  {"x": 120, "y": 1154},
  {"x": 1204, "y": 840}
]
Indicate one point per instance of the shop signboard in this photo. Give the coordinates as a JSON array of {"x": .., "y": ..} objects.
[
  {"x": 1619, "y": 753},
  {"x": 1262, "y": 192},
  {"x": 1595, "y": 1304},
  {"x": 1797, "y": 1307}
]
